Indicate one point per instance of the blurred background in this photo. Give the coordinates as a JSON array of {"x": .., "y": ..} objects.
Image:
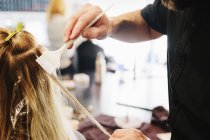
[{"x": 102, "y": 74}]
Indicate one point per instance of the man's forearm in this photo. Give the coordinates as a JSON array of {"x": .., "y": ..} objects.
[{"x": 131, "y": 27}]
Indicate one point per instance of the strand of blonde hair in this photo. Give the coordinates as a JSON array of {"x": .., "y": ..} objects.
[{"x": 70, "y": 96}]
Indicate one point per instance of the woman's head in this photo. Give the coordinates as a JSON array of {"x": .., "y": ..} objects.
[
  {"x": 17, "y": 55},
  {"x": 23, "y": 80}
]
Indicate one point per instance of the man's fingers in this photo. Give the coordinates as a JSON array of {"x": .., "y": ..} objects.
[
  {"x": 84, "y": 21},
  {"x": 128, "y": 134},
  {"x": 73, "y": 20},
  {"x": 70, "y": 46},
  {"x": 70, "y": 25},
  {"x": 113, "y": 138},
  {"x": 95, "y": 32},
  {"x": 120, "y": 133},
  {"x": 79, "y": 21}
]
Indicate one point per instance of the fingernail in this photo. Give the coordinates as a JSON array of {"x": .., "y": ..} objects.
[
  {"x": 65, "y": 38},
  {"x": 73, "y": 35},
  {"x": 69, "y": 47}
]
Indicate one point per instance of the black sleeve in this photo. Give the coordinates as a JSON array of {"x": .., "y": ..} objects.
[{"x": 156, "y": 16}]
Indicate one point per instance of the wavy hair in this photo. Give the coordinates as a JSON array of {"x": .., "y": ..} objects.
[{"x": 28, "y": 109}]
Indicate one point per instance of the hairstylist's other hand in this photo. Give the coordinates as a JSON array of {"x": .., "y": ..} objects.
[
  {"x": 128, "y": 134},
  {"x": 77, "y": 23}
]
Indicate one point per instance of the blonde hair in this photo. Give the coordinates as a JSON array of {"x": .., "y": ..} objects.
[
  {"x": 56, "y": 7},
  {"x": 23, "y": 80}
]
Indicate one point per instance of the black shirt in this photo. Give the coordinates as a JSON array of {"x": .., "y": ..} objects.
[{"x": 188, "y": 33}]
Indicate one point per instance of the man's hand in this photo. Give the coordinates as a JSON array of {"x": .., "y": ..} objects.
[
  {"x": 77, "y": 23},
  {"x": 128, "y": 134}
]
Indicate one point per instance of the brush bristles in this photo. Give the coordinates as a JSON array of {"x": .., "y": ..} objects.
[{"x": 46, "y": 65}]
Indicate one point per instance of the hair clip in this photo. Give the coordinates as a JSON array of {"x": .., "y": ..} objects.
[{"x": 17, "y": 30}]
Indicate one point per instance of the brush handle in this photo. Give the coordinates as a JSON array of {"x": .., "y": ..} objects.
[
  {"x": 64, "y": 47},
  {"x": 96, "y": 18},
  {"x": 69, "y": 95}
]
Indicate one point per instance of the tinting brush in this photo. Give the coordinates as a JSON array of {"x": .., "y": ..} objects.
[{"x": 50, "y": 60}]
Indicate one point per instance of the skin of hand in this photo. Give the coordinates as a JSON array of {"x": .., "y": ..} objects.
[
  {"x": 129, "y": 27},
  {"x": 77, "y": 23},
  {"x": 128, "y": 134}
]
